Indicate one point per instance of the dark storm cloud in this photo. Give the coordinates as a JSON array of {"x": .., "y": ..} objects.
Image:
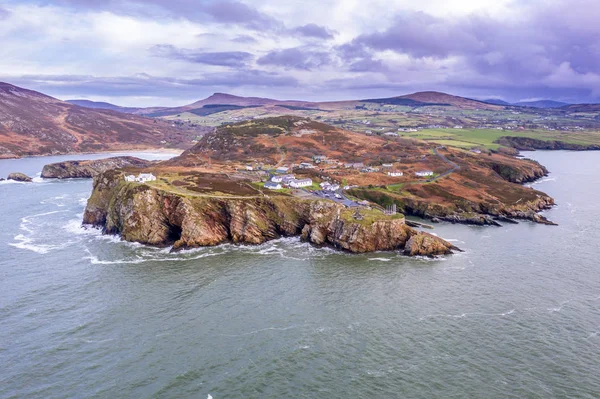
[
  {"x": 313, "y": 30},
  {"x": 296, "y": 58},
  {"x": 225, "y": 58},
  {"x": 529, "y": 47}
]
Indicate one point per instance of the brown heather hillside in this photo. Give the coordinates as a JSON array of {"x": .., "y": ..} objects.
[
  {"x": 32, "y": 123},
  {"x": 470, "y": 188}
]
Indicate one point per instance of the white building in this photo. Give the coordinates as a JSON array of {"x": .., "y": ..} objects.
[
  {"x": 387, "y": 165},
  {"x": 395, "y": 174},
  {"x": 145, "y": 177},
  {"x": 141, "y": 178},
  {"x": 424, "y": 173},
  {"x": 301, "y": 183},
  {"x": 391, "y": 134},
  {"x": 306, "y": 165},
  {"x": 249, "y": 167},
  {"x": 282, "y": 169},
  {"x": 273, "y": 186}
]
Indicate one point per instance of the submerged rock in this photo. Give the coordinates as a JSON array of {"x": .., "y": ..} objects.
[{"x": 16, "y": 176}]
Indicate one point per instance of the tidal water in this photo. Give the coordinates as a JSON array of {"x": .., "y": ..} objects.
[{"x": 517, "y": 315}]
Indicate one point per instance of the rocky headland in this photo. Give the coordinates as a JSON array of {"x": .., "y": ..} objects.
[
  {"x": 90, "y": 168},
  {"x": 150, "y": 215}
]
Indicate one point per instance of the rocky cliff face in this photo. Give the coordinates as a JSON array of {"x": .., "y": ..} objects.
[
  {"x": 152, "y": 216},
  {"x": 89, "y": 169}
]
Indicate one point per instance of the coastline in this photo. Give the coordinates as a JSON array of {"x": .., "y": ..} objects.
[{"x": 160, "y": 150}]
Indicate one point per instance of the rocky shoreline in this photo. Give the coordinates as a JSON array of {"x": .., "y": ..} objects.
[
  {"x": 90, "y": 168},
  {"x": 145, "y": 214}
]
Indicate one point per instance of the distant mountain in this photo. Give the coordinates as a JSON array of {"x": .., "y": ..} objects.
[
  {"x": 33, "y": 123},
  {"x": 430, "y": 98},
  {"x": 541, "y": 104},
  {"x": 103, "y": 105},
  {"x": 496, "y": 102}
]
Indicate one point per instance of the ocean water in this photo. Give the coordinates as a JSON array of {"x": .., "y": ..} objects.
[{"x": 516, "y": 315}]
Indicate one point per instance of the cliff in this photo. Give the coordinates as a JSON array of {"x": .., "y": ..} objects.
[
  {"x": 90, "y": 168},
  {"x": 153, "y": 216},
  {"x": 530, "y": 144}
]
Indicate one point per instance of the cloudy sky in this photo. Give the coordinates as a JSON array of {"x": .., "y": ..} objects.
[{"x": 173, "y": 52}]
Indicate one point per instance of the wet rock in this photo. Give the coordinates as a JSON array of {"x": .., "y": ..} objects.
[{"x": 16, "y": 176}]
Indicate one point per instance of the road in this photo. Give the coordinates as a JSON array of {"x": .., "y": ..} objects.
[{"x": 455, "y": 166}]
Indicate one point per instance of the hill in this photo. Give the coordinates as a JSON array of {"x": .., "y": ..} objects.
[
  {"x": 32, "y": 123},
  {"x": 434, "y": 98},
  {"x": 103, "y": 105},
  {"x": 541, "y": 104},
  {"x": 465, "y": 187},
  {"x": 495, "y": 101}
]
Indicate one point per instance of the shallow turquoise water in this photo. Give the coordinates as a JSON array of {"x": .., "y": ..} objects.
[{"x": 86, "y": 315}]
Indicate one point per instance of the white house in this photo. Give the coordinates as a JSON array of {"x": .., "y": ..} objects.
[
  {"x": 299, "y": 183},
  {"x": 277, "y": 179},
  {"x": 145, "y": 177},
  {"x": 306, "y": 165},
  {"x": 395, "y": 173},
  {"x": 273, "y": 186},
  {"x": 391, "y": 134},
  {"x": 130, "y": 178},
  {"x": 424, "y": 173},
  {"x": 387, "y": 165},
  {"x": 249, "y": 167},
  {"x": 332, "y": 187}
]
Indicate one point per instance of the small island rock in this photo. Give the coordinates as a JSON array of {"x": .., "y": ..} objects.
[{"x": 16, "y": 176}]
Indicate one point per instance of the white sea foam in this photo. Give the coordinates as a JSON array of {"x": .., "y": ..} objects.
[{"x": 381, "y": 259}]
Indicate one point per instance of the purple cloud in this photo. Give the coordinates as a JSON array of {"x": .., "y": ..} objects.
[
  {"x": 147, "y": 85},
  {"x": 219, "y": 11},
  {"x": 4, "y": 13},
  {"x": 235, "y": 59},
  {"x": 314, "y": 30},
  {"x": 244, "y": 39},
  {"x": 296, "y": 58}
]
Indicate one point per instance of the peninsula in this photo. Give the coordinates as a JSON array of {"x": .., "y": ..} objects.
[{"x": 258, "y": 180}]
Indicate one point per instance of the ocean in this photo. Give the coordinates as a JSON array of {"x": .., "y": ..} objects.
[{"x": 517, "y": 315}]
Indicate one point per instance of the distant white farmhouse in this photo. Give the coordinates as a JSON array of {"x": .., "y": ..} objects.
[
  {"x": 395, "y": 173},
  {"x": 249, "y": 167},
  {"x": 387, "y": 165},
  {"x": 299, "y": 183},
  {"x": 141, "y": 178},
  {"x": 273, "y": 186},
  {"x": 424, "y": 173},
  {"x": 391, "y": 134}
]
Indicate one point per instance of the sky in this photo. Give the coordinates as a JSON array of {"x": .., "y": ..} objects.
[{"x": 174, "y": 52}]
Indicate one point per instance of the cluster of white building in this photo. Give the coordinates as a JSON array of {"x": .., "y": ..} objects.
[
  {"x": 141, "y": 178},
  {"x": 277, "y": 182},
  {"x": 327, "y": 186}
]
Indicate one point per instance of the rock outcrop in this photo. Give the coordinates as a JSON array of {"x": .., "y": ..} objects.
[
  {"x": 90, "y": 168},
  {"x": 16, "y": 176},
  {"x": 149, "y": 215}
]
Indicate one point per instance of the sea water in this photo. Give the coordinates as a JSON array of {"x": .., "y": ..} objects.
[{"x": 87, "y": 315}]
